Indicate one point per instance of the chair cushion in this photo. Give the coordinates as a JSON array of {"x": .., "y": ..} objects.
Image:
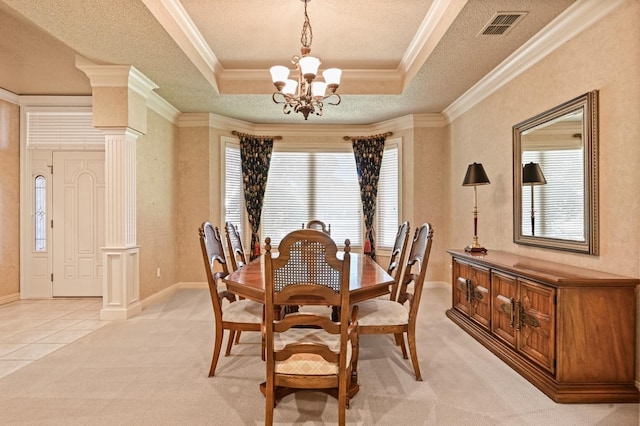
[
  {"x": 244, "y": 310},
  {"x": 382, "y": 312},
  {"x": 308, "y": 364}
]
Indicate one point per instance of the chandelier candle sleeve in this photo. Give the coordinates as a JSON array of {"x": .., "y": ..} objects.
[{"x": 306, "y": 95}]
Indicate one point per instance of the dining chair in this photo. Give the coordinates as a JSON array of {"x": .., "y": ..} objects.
[
  {"x": 237, "y": 255},
  {"x": 398, "y": 317},
  {"x": 229, "y": 313},
  {"x": 318, "y": 225},
  {"x": 396, "y": 259},
  {"x": 305, "y": 350}
]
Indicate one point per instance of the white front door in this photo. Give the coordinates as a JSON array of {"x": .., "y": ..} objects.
[{"x": 78, "y": 223}]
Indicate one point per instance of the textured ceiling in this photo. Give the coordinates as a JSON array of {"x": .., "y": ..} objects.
[{"x": 399, "y": 56}]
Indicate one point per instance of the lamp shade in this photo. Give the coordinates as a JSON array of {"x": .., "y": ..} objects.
[
  {"x": 475, "y": 175},
  {"x": 332, "y": 75},
  {"x": 318, "y": 88},
  {"x": 290, "y": 87},
  {"x": 279, "y": 73},
  {"x": 532, "y": 174},
  {"x": 309, "y": 65}
]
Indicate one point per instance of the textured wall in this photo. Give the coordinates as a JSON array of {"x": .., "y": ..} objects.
[
  {"x": 430, "y": 198},
  {"x": 605, "y": 57},
  {"x": 193, "y": 200},
  {"x": 9, "y": 199},
  {"x": 157, "y": 205}
]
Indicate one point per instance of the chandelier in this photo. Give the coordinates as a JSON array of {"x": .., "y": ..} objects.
[{"x": 305, "y": 95}]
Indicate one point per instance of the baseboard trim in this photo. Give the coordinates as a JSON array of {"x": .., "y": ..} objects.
[
  {"x": 9, "y": 298},
  {"x": 169, "y": 291}
]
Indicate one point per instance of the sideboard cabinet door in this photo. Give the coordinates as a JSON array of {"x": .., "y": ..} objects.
[
  {"x": 471, "y": 292},
  {"x": 536, "y": 323},
  {"x": 524, "y": 317}
]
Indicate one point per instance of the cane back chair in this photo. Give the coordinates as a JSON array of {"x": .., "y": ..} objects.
[{"x": 306, "y": 350}]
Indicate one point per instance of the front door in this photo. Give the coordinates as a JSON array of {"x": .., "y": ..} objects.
[{"x": 78, "y": 223}]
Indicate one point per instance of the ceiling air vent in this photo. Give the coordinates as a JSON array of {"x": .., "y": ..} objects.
[{"x": 502, "y": 22}]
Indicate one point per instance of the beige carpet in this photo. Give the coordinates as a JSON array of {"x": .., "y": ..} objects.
[{"x": 152, "y": 370}]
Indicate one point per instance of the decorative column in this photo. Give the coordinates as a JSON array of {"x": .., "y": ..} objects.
[{"x": 120, "y": 96}]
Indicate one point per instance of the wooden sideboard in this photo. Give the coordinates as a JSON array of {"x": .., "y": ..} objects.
[{"x": 570, "y": 331}]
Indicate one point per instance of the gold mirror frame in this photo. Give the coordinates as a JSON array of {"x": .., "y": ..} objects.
[{"x": 586, "y": 104}]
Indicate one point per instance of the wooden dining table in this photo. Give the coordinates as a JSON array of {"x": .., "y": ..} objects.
[{"x": 367, "y": 280}]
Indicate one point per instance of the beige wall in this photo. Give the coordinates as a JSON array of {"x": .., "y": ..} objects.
[
  {"x": 606, "y": 57},
  {"x": 193, "y": 200},
  {"x": 430, "y": 195},
  {"x": 157, "y": 201},
  {"x": 9, "y": 199}
]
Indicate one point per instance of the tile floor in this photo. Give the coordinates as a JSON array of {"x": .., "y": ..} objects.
[{"x": 31, "y": 329}]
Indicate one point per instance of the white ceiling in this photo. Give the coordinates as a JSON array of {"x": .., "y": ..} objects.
[{"x": 398, "y": 57}]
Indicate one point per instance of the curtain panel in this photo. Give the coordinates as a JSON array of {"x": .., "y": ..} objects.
[
  {"x": 255, "y": 156},
  {"x": 368, "y": 156}
]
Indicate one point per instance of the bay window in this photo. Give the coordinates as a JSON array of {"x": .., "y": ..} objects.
[{"x": 306, "y": 183}]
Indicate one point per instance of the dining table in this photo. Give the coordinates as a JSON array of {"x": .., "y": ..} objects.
[{"x": 367, "y": 280}]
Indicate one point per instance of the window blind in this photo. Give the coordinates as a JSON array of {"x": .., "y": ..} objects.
[
  {"x": 47, "y": 129},
  {"x": 561, "y": 198},
  {"x": 233, "y": 191},
  {"x": 314, "y": 183},
  {"x": 387, "y": 204},
  {"x": 308, "y": 185}
]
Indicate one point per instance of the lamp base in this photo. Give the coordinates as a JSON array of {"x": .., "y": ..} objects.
[{"x": 475, "y": 249}]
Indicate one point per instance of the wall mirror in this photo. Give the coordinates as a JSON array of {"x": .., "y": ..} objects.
[{"x": 555, "y": 177}]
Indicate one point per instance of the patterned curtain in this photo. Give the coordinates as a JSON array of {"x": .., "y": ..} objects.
[
  {"x": 368, "y": 154},
  {"x": 255, "y": 155}
]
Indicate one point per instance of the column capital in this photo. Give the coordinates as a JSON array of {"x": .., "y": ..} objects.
[{"x": 120, "y": 94}]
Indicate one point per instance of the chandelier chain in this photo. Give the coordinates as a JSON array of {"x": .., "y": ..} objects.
[{"x": 307, "y": 33}]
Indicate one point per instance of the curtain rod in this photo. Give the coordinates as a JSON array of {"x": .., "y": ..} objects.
[
  {"x": 346, "y": 138},
  {"x": 256, "y": 137}
]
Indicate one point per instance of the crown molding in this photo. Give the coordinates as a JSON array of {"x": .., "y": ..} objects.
[
  {"x": 176, "y": 21},
  {"x": 167, "y": 111},
  {"x": 11, "y": 97},
  {"x": 575, "y": 19},
  {"x": 435, "y": 24},
  {"x": 220, "y": 122}
]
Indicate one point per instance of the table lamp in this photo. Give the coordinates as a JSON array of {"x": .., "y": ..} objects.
[
  {"x": 532, "y": 175},
  {"x": 475, "y": 176}
]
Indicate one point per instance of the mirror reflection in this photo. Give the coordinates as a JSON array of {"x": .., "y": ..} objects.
[
  {"x": 553, "y": 179},
  {"x": 555, "y": 198}
]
